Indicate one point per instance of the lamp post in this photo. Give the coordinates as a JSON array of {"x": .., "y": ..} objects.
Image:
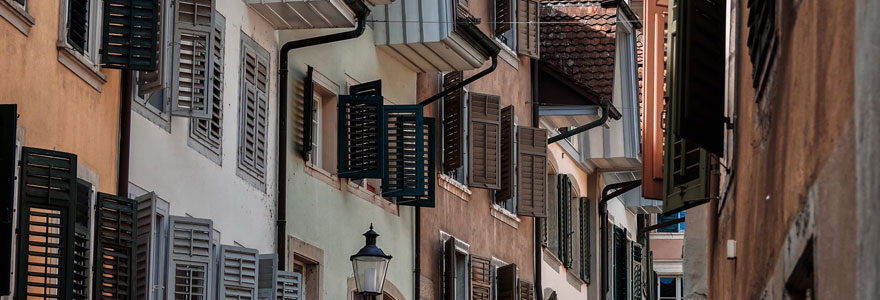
[{"x": 370, "y": 266}]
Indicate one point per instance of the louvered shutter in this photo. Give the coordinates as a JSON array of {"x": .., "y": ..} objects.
[
  {"x": 8, "y": 118},
  {"x": 426, "y": 199},
  {"x": 762, "y": 40},
  {"x": 404, "y": 162},
  {"x": 308, "y": 112},
  {"x": 278, "y": 285},
  {"x": 637, "y": 288},
  {"x": 154, "y": 81},
  {"x": 532, "y": 171},
  {"x": 151, "y": 256},
  {"x": 526, "y": 290},
  {"x": 453, "y": 120},
  {"x": 131, "y": 29},
  {"x": 192, "y": 86},
  {"x": 528, "y": 31},
  {"x": 586, "y": 240},
  {"x": 209, "y": 132},
  {"x": 507, "y": 283},
  {"x": 238, "y": 273},
  {"x": 508, "y": 154},
  {"x": 449, "y": 269},
  {"x": 551, "y": 222},
  {"x": 620, "y": 258},
  {"x": 484, "y": 141},
  {"x": 254, "y": 108},
  {"x": 46, "y": 224},
  {"x": 361, "y": 120},
  {"x": 481, "y": 278},
  {"x": 115, "y": 246},
  {"x": 78, "y": 24},
  {"x": 564, "y": 220},
  {"x": 82, "y": 240},
  {"x": 191, "y": 256},
  {"x": 502, "y": 16}
]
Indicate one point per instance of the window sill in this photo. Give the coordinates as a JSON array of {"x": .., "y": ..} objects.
[
  {"x": 505, "y": 216},
  {"x": 551, "y": 259},
  {"x": 17, "y": 16},
  {"x": 508, "y": 55},
  {"x": 574, "y": 279},
  {"x": 451, "y": 185},
  {"x": 82, "y": 67},
  {"x": 323, "y": 175},
  {"x": 376, "y": 199}
]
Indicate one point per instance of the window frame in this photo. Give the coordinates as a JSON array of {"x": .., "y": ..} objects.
[
  {"x": 679, "y": 293},
  {"x": 86, "y": 64},
  {"x": 17, "y": 15},
  {"x": 324, "y": 90},
  {"x": 196, "y": 140}
]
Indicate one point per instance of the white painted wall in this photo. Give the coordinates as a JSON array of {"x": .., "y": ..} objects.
[{"x": 195, "y": 185}]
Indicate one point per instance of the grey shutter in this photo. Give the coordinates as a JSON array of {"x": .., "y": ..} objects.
[
  {"x": 449, "y": 269},
  {"x": 526, "y": 290},
  {"x": 238, "y": 273},
  {"x": 8, "y": 118},
  {"x": 82, "y": 240},
  {"x": 405, "y": 156},
  {"x": 453, "y": 122},
  {"x": 507, "y": 155},
  {"x": 46, "y": 224},
  {"x": 508, "y": 288},
  {"x": 484, "y": 137},
  {"x": 564, "y": 219},
  {"x": 502, "y": 16},
  {"x": 191, "y": 256},
  {"x": 481, "y": 278},
  {"x": 115, "y": 247},
  {"x": 308, "y": 112},
  {"x": 528, "y": 31},
  {"x": 254, "y": 107},
  {"x": 532, "y": 171},
  {"x": 426, "y": 168},
  {"x": 191, "y": 88},
  {"x": 151, "y": 256},
  {"x": 209, "y": 132},
  {"x": 78, "y": 24},
  {"x": 131, "y": 29},
  {"x": 278, "y": 285}
]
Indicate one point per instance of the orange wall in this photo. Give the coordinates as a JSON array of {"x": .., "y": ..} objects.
[
  {"x": 655, "y": 76},
  {"x": 57, "y": 109}
]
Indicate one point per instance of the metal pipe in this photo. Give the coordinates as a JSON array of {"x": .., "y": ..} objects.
[
  {"x": 622, "y": 187},
  {"x": 539, "y": 292},
  {"x": 584, "y": 127},
  {"x": 281, "y": 222},
  {"x": 463, "y": 82},
  {"x": 417, "y": 280},
  {"x": 661, "y": 225},
  {"x": 124, "y": 155}
]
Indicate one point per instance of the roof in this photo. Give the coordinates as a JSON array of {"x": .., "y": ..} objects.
[{"x": 578, "y": 41}]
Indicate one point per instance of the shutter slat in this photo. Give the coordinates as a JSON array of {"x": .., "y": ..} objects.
[
  {"x": 426, "y": 199},
  {"x": 532, "y": 168},
  {"x": 528, "y": 27},
  {"x": 507, "y": 155},
  {"x": 484, "y": 141},
  {"x": 449, "y": 269},
  {"x": 508, "y": 288},
  {"x": 131, "y": 31},
  {"x": 453, "y": 120},
  {"x": 191, "y": 255},
  {"x": 361, "y": 120},
  {"x": 209, "y": 132},
  {"x": 191, "y": 89},
  {"x": 405, "y": 152},
  {"x": 502, "y": 16}
]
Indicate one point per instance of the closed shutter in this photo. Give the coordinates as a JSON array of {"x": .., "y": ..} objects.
[
  {"x": 620, "y": 265},
  {"x": 238, "y": 273},
  {"x": 637, "y": 287},
  {"x": 361, "y": 120},
  {"x": 8, "y": 118},
  {"x": 508, "y": 288},
  {"x": 192, "y": 50},
  {"x": 551, "y": 222},
  {"x": 46, "y": 224},
  {"x": 502, "y": 16},
  {"x": 426, "y": 199},
  {"x": 131, "y": 29},
  {"x": 405, "y": 156},
  {"x": 526, "y": 290},
  {"x": 309, "y": 112},
  {"x": 151, "y": 254},
  {"x": 449, "y": 269},
  {"x": 484, "y": 141},
  {"x": 78, "y": 24},
  {"x": 115, "y": 246},
  {"x": 532, "y": 171},
  {"x": 209, "y": 132},
  {"x": 508, "y": 154},
  {"x": 453, "y": 122},
  {"x": 585, "y": 238},
  {"x": 481, "y": 278},
  {"x": 191, "y": 258},
  {"x": 564, "y": 220},
  {"x": 254, "y": 108},
  {"x": 82, "y": 241},
  {"x": 528, "y": 32}
]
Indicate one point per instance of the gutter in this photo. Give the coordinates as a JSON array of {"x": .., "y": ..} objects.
[
  {"x": 361, "y": 12},
  {"x": 123, "y": 163},
  {"x": 607, "y": 109},
  {"x": 489, "y": 46}
]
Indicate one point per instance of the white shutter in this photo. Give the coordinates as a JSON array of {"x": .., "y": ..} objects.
[
  {"x": 268, "y": 271},
  {"x": 191, "y": 257},
  {"x": 192, "y": 85},
  {"x": 238, "y": 273},
  {"x": 152, "y": 247},
  {"x": 278, "y": 285}
]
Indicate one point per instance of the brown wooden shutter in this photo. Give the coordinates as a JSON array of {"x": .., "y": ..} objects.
[
  {"x": 526, "y": 291},
  {"x": 502, "y": 16},
  {"x": 453, "y": 120},
  {"x": 449, "y": 262},
  {"x": 527, "y": 29},
  {"x": 462, "y": 8},
  {"x": 532, "y": 167},
  {"x": 508, "y": 140},
  {"x": 481, "y": 278},
  {"x": 507, "y": 283},
  {"x": 484, "y": 137}
]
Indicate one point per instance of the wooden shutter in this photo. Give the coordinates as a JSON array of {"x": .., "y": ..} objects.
[
  {"x": 154, "y": 81},
  {"x": 507, "y": 155},
  {"x": 404, "y": 162},
  {"x": 564, "y": 219},
  {"x": 254, "y": 108},
  {"x": 532, "y": 171},
  {"x": 481, "y": 278},
  {"x": 527, "y": 30},
  {"x": 361, "y": 120},
  {"x": 151, "y": 254},
  {"x": 453, "y": 120},
  {"x": 46, "y": 224},
  {"x": 209, "y": 132},
  {"x": 426, "y": 199},
  {"x": 309, "y": 112},
  {"x": 585, "y": 238},
  {"x": 449, "y": 268},
  {"x": 637, "y": 287},
  {"x": 502, "y": 16},
  {"x": 82, "y": 240},
  {"x": 8, "y": 127},
  {"x": 278, "y": 285},
  {"x": 115, "y": 225},
  {"x": 551, "y": 222},
  {"x": 508, "y": 288},
  {"x": 484, "y": 141},
  {"x": 620, "y": 258},
  {"x": 78, "y": 24},
  {"x": 526, "y": 290},
  {"x": 238, "y": 273},
  {"x": 131, "y": 29},
  {"x": 762, "y": 40},
  {"x": 194, "y": 21},
  {"x": 191, "y": 256}
]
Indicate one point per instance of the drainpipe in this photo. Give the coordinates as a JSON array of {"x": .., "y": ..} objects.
[
  {"x": 607, "y": 109},
  {"x": 417, "y": 278},
  {"x": 361, "y": 12},
  {"x": 463, "y": 82},
  {"x": 124, "y": 155},
  {"x": 487, "y": 44},
  {"x": 539, "y": 290}
]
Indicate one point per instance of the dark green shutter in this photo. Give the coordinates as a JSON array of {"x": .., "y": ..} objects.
[
  {"x": 48, "y": 191},
  {"x": 131, "y": 29},
  {"x": 637, "y": 287},
  {"x": 309, "y": 114},
  {"x": 78, "y": 24},
  {"x": 372, "y": 88},
  {"x": 427, "y": 167},
  {"x": 404, "y": 159},
  {"x": 360, "y": 139},
  {"x": 8, "y": 117},
  {"x": 620, "y": 258},
  {"x": 564, "y": 220},
  {"x": 82, "y": 240},
  {"x": 762, "y": 39},
  {"x": 115, "y": 247},
  {"x": 585, "y": 238}
]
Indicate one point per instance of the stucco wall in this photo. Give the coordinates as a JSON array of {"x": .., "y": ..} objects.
[{"x": 59, "y": 110}]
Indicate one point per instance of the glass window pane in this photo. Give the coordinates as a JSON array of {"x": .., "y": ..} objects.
[{"x": 668, "y": 287}]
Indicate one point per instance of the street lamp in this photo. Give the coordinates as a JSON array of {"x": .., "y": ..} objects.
[{"x": 370, "y": 265}]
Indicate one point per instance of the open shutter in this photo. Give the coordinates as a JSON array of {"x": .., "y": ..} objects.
[
  {"x": 453, "y": 122},
  {"x": 508, "y": 288},
  {"x": 46, "y": 224},
  {"x": 449, "y": 269},
  {"x": 481, "y": 278},
  {"x": 8, "y": 118},
  {"x": 115, "y": 264},
  {"x": 508, "y": 154},
  {"x": 526, "y": 290},
  {"x": 289, "y": 286},
  {"x": 82, "y": 240},
  {"x": 209, "y": 131},
  {"x": 586, "y": 240},
  {"x": 502, "y": 16},
  {"x": 131, "y": 29},
  {"x": 309, "y": 112},
  {"x": 551, "y": 224},
  {"x": 278, "y": 285},
  {"x": 620, "y": 269},
  {"x": 404, "y": 163},
  {"x": 532, "y": 167},
  {"x": 192, "y": 86},
  {"x": 238, "y": 273},
  {"x": 484, "y": 141},
  {"x": 361, "y": 120},
  {"x": 78, "y": 24},
  {"x": 191, "y": 257},
  {"x": 426, "y": 199},
  {"x": 528, "y": 32},
  {"x": 151, "y": 252}
]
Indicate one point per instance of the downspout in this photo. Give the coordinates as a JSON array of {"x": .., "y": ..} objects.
[
  {"x": 463, "y": 82},
  {"x": 622, "y": 187},
  {"x": 417, "y": 271},
  {"x": 539, "y": 290},
  {"x": 361, "y": 13},
  {"x": 124, "y": 155}
]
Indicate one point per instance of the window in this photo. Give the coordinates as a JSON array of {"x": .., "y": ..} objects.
[
  {"x": 669, "y": 288},
  {"x": 79, "y": 31},
  {"x": 308, "y": 270},
  {"x": 674, "y": 227},
  {"x": 206, "y": 135},
  {"x": 15, "y": 11},
  {"x": 503, "y": 12},
  {"x": 324, "y": 128},
  {"x": 456, "y": 269},
  {"x": 253, "y": 109}
]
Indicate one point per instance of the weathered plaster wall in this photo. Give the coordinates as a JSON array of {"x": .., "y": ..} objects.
[
  {"x": 59, "y": 110},
  {"x": 695, "y": 249},
  {"x": 667, "y": 248}
]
